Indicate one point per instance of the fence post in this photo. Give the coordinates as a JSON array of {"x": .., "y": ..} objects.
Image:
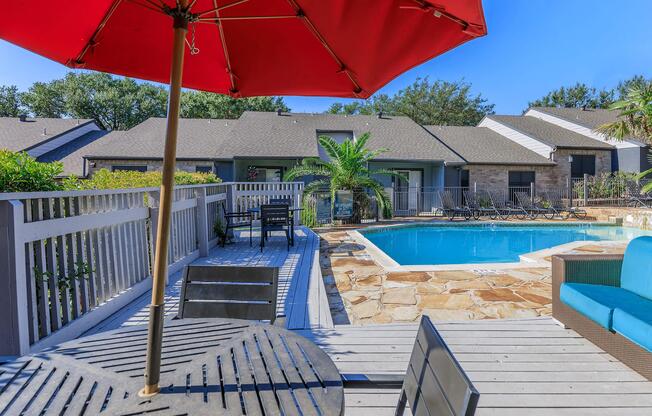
[
  {"x": 569, "y": 191},
  {"x": 532, "y": 192},
  {"x": 475, "y": 187},
  {"x": 586, "y": 189},
  {"x": 14, "y": 326},
  {"x": 201, "y": 221}
]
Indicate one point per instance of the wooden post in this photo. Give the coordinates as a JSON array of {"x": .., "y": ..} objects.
[
  {"x": 201, "y": 221},
  {"x": 156, "y": 308},
  {"x": 14, "y": 326}
]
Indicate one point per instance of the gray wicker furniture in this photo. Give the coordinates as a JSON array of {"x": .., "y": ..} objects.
[
  {"x": 209, "y": 367},
  {"x": 599, "y": 315},
  {"x": 240, "y": 292}
]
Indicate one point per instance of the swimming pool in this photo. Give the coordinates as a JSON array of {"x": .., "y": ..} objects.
[{"x": 419, "y": 244}]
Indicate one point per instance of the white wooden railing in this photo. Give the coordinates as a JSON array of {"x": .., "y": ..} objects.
[{"x": 68, "y": 260}]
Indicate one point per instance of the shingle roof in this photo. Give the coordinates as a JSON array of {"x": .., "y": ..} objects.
[
  {"x": 591, "y": 118},
  {"x": 482, "y": 145},
  {"x": 197, "y": 139},
  {"x": 19, "y": 135},
  {"x": 72, "y": 153},
  {"x": 549, "y": 133},
  {"x": 264, "y": 134}
]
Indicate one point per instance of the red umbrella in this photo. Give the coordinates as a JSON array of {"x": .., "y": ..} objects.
[{"x": 341, "y": 48}]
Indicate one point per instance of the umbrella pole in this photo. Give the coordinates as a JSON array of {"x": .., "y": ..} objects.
[{"x": 156, "y": 308}]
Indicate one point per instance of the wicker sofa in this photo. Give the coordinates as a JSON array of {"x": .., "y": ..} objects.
[{"x": 608, "y": 300}]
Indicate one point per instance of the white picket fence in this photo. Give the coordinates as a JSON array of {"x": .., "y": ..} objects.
[{"x": 71, "y": 259}]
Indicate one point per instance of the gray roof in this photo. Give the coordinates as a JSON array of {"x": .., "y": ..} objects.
[
  {"x": 266, "y": 134},
  {"x": 481, "y": 145},
  {"x": 17, "y": 135},
  {"x": 197, "y": 139},
  {"x": 591, "y": 118},
  {"x": 549, "y": 133},
  {"x": 72, "y": 153}
]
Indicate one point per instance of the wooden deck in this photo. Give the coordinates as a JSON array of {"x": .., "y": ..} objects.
[
  {"x": 301, "y": 296},
  {"x": 523, "y": 367}
]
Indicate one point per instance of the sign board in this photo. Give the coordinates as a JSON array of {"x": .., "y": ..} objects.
[
  {"x": 343, "y": 204},
  {"x": 323, "y": 208}
]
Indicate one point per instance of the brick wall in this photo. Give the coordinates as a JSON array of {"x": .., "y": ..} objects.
[
  {"x": 602, "y": 160},
  {"x": 497, "y": 176}
]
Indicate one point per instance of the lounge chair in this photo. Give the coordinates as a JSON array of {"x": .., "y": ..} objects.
[
  {"x": 434, "y": 383},
  {"x": 635, "y": 197},
  {"x": 478, "y": 205},
  {"x": 607, "y": 299},
  {"x": 531, "y": 208},
  {"x": 559, "y": 208},
  {"x": 235, "y": 220},
  {"x": 238, "y": 292},
  {"x": 502, "y": 209},
  {"x": 275, "y": 217},
  {"x": 451, "y": 209}
]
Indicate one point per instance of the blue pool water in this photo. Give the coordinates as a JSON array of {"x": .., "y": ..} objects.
[{"x": 445, "y": 244}]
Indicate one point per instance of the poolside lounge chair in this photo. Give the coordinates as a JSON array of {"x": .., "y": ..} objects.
[
  {"x": 559, "y": 208},
  {"x": 531, "y": 208},
  {"x": 635, "y": 197},
  {"x": 451, "y": 209},
  {"x": 478, "y": 204},
  {"x": 434, "y": 383},
  {"x": 239, "y": 292},
  {"x": 502, "y": 209}
]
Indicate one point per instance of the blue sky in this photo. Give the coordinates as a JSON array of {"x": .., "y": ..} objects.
[{"x": 532, "y": 47}]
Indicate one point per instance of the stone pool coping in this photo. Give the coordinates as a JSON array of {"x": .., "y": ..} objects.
[{"x": 539, "y": 258}]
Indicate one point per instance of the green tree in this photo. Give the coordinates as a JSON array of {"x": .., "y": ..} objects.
[
  {"x": 10, "y": 104},
  {"x": 576, "y": 96},
  {"x": 426, "y": 102},
  {"x": 45, "y": 99},
  {"x": 346, "y": 170},
  {"x": 634, "y": 118},
  {"x": 199, "y": 104}
]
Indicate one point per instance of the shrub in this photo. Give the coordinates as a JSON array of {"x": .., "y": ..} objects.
[
  {"x": 105, "y": 179},
  {"x": 19, "y": 172}
]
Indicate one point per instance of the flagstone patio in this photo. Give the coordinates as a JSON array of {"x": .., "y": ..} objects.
[{"x": 360, "y": 291}]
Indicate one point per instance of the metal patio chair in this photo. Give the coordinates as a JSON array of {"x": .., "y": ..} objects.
[
  {"x": 474, "y": 201},
  {"x": 451, "y": 209},
  {"x": 275, "y": 217},
  {"x": 635, "y": 197},
  {"x": 235, "y": 220},
  {"x": 559, "y": 208},
  {"x": 434, "y": 383},
  {"x": 502, "y": 210},
  {"x": 237, "y": 292},
  {"x": 531, "y": 208}
]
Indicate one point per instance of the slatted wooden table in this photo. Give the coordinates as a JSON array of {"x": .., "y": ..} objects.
[{"x": 209, "y": 366}]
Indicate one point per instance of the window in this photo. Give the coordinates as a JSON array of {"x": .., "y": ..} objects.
[
  {"x": 582, "y": 164},
  {"x": 520, "y": 179},
  {"x": 464, "y": 178},
  {"x": 267, "y": 174},
  {"x": 204, "y": 169},
  {"x": 135, "y": 168}
]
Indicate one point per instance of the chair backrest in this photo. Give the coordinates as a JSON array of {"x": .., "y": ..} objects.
[
  {"x": 286, "y": 201},
  {"x": 435, "y": 383},
  {"x": 471, "y": 199},
  {"x": 240, "y": 292},
  {"x": 274, "y": 214},
  {"x": 497, "y": 199},
  {"x": 553, "y": 198},
  {"x": 632, "y": 188},
  {"x": 447, "y": 200},
  {"x": 636, "y": 273},
  {"x": 524, "y": 200}
]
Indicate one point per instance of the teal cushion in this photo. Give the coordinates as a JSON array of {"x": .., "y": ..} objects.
[
  {"x": 636, "y": 274},
  {"x": 596, "y": 302},
  {"x": 634, "y": 322}
]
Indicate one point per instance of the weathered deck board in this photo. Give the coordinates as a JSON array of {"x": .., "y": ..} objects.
[
  {"x": 521, "y": 367},
  {"x": 300, "y": 298}
]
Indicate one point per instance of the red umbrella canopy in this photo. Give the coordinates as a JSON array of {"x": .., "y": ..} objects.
[{"x": 342, "y": 48}]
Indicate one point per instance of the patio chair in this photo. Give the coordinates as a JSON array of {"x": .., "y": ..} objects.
[
  {"x": 531, "y": 208},
  {"x": 286, "y": 201},
  {"x": 474, "y": 203},
  {"x": 238, "y": 292},
  {"x": 559, "y": 208},
  {"x": 434, "y": 383},
  {"x": 502, "y": 210},
  {"x": 275, "y": 217},
  {"x": 451, "y": 209},
  {"x": 635, "y": 197},
  {"x": 235, "y": 220}
]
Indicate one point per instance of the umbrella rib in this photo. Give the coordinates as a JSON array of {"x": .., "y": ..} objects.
[
  {"x": 225, "y": 49},
  {"x": 217, "y": 8},
  {"x": 219, "y": 19},
  {"x": 343, "y": 68},
  {"x": 441, "y": 12},
  {"x": 99, "y": 28}
]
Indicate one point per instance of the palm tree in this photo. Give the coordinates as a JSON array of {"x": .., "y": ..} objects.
[
  {"x": 634, "y": 119},
  {"x": 348, "y": 169}
]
